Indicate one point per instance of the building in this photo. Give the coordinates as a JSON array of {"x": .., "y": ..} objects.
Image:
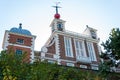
[
  {"x": 20, "y": 41},
  {"x": 63, "y": 47},
  {"x": 70, "y": 48}
]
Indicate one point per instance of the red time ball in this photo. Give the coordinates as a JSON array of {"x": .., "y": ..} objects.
[{"x": 57, "y": 16}]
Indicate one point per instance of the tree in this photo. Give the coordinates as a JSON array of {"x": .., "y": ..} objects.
[{"x": 111, "y": 56}]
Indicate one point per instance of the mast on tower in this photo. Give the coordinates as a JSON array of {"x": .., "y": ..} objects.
[{"x": 57, "y": 15}]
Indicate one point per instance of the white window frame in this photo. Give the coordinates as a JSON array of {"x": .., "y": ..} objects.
[
  {"x": 51, "y": 61},
  {"x": 94, "y": 67},
  {"x": 80, "y": 51},
  {"x": 91, "y": 51},
  {"x": 68, "y": 47},
  {"x": 83, "y": 66},
  {"x": 20, "y": 41},
  {"x": 70, "y": 64}
]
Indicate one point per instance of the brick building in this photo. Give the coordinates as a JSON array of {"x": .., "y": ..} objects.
[
  {"x": 70, "y": 48},
  {"x": 20, "y": 41},
  {"x": 63, "y": 47}
]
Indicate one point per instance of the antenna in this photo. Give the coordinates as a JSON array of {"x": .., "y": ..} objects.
[{"x": 57, "y": 7}]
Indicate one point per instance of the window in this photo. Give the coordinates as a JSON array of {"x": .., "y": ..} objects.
[
  {"x": 20, "y": 41},
  {"x": 50, "y": 61},
  {"x": 93, "y": 34},
  {"x": 70, "y": 64},
  {"x": 18, "y": 51},
  {"x": 94, "y": 67},
  {"x": 80, "y": 48},
  {"x": 91, "y": 51},
  {"x": 68, "y": 47},
  {"x": 83, "y": 66}
]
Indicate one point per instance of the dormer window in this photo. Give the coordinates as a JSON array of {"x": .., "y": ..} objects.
[
  {"x": 93, "y": 34},
  {"x": 20, "y": 41}
]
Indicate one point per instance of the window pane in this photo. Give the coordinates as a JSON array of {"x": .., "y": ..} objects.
[
  {"x": 18, "y": 51},
  {"x": 80, "y": 48},
  {"x": 21, "y": 41},
  {"x": 91, "y": 51},
  {"x": 68, "y": 47}
]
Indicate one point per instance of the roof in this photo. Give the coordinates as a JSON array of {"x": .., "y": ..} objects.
[{"x": 20, "y": 30}]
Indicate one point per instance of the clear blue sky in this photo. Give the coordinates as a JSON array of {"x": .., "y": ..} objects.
[{"x": 36, "y": 16}]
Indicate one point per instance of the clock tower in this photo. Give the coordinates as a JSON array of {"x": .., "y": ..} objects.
[{"x": 57, "y": 23}]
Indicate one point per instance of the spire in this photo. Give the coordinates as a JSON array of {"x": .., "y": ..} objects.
[
  {"x": 57, "y": 15},
  {"x": 20, "y": 25}
]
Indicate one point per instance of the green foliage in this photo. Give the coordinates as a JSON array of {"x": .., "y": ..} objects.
[
  {"x": 112, "y": 46},
  {"x": 111, "y": 56},
  {"x": 12, "y": 67}
]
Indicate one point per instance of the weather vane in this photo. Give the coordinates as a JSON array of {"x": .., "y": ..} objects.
[{"x": 57, "y": 7}]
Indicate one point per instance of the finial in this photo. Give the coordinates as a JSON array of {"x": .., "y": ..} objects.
[
  {"x": 57, "y": 16},
  {"x": 20, "y": 25},
  {"x": 57, "y": 7}
]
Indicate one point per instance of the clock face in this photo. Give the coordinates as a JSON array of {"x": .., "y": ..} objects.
[
  {"x": 60, "y": 26},
  {"x": 44, "y": 49}
]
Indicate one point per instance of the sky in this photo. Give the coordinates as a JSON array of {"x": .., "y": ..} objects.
[{"x": 36, "y": 16}]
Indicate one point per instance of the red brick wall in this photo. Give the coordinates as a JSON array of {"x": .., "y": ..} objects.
[
  {"x": 63, "y": 56},
  {"x": 49, "y": 55},
  {"x": 13, "y": 38},
  {"x": 73, "y": 48},
  {"x": 96, "y": 52},
  {"x": 86, "y": 48},
  {"x": 51, "y": 49},
  {"x": 26, "y": 51},
  {"x": 62, "y": 49},
  {"x": 27, "y": 42}
]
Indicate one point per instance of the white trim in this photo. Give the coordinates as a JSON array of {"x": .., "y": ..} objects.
[
  {"x": 81, "y": 55},
  {"x": 57, "y": 44},
  {"x": 94, "y": 68},
  {"x": 21, "y": 34},
  {"x": 57, "y": 47},
  {"x": 66, "y": 46},
  {"x": 83, "y": 48},
  {"x": 94, "y": 65},
  {"x": 56, "y": 20},
  {"x": 19, "y": 45},
  {"x": 77, "y": 35},
  {"x": 68, "y": 61},
  {"x": 48, "y": 58},
  {"x": 83, "y": 66},
  {"x": 42, "y": 54},
  {"x": 51, "y": 43},
  {"x": 92, "y": 54},
  {"x": 32, "y": 48},
  {"x": 56, "y": 56},
  {"x": 5, "y": 41},
  {"x": 51, "y": 61},
  {"x": 57, "y": 59},
  {"x": 70, "y": 64}
]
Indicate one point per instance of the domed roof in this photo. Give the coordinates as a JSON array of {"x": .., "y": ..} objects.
[{"x": 20, "y": 30}]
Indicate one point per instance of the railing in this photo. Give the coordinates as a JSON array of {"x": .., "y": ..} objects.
[
  {"x": 83, "y": 59},
  {"x": 77, "y": 34}
]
